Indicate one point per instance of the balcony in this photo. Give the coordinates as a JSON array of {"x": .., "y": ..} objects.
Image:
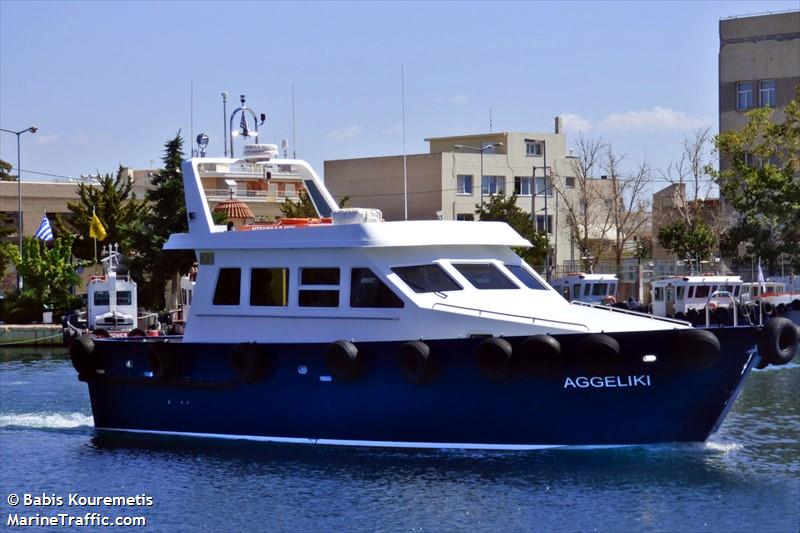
[{"x": 220, "y": 195}]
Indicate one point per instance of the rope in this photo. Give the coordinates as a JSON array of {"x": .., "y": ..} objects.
[{"x": 32, "y": 340}]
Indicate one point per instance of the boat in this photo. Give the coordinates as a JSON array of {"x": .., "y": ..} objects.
[
  {"x": 773, "y": 296},
  {"x": 591, "y": 288},
  {"x": 348, "y": 330},
  {"x": 700, "y": 299}
]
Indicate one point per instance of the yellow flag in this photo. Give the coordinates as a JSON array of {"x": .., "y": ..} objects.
[{"x": 96, "y": 229}]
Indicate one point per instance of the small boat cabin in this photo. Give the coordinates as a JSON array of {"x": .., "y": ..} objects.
[
  {"x": 592, "y": 288},
  {"x": 680, "y": 297}
]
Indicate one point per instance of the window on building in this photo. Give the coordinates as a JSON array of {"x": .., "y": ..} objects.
[
  {"x": 321, "y": 297},
  {"x": 544, "y": 188},
  {"x": 484, "y": 276},
  {"x": 522, "y": 185},
  {"x": 269, "y": 287},
  {"x": 540, "y": 223},
  {"x": 228, "y": 287},
  {"x": 464, "y": 184},
  {"x": 368, "y": 290},
  {"x": 426, "y": 278},
  {"x": 528, "y": 279},
  {"x": 494, "y": 185},
  {"x": 569, "y": 181},
  {"x": 766, "y": 93},
  {"x": 744, "y": 95},
  {"x": 533, "y": 148},
  {"x": 465, "y": 216}
]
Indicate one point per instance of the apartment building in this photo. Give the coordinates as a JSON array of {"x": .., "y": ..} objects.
[
  {"x": 759, "y": 65},
  {"x": 459, "y": 172}
]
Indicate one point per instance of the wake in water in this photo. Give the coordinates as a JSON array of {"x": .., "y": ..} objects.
[{"x": 46, "y": 420}]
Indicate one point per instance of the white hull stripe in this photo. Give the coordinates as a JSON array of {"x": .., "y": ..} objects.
[{"x": 369, "y": 443}]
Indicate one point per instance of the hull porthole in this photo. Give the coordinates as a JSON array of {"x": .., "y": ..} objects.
[
  {"x": 416, "y": 362},
  {"x": 696, "y": 349},
  {"x": 493, "y": 356},
  {"x": 343, "y": 361},
  {"x": 778, "y": 341}
]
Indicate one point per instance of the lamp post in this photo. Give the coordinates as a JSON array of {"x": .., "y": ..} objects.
[
  {"x": 32, "y": 129},
  {"x": 224, "y": 119},
  {"x": 480, "y": 150}
]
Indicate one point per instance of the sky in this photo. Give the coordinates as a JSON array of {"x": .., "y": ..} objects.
[{"x": 108, "y": 83}]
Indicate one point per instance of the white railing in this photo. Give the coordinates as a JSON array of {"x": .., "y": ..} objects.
[{"x": 251, "y": 196}]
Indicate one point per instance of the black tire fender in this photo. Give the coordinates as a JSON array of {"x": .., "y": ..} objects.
[
  {"x": 416, "y": 362},
  {"x": 101, "y": 333},
  {"x": 250, "y": 362},
  {"x": 696, "y": 349},
  {"x": 778, "y": 341},
  {"x": 163, "y": 361},
  {"x": 342, "y": 360},
  {"x": 599, "y": 352},
  {"x": 82, "y": 354},
  {"x": 493, "y": 356},
  {"x": 540, "y": 355},
  {"x": 136, "y": 332}
]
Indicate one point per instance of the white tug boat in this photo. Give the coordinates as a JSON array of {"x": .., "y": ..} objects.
[
  {"x": 590, "y": 288},
  {"x": 693, "y": 297},
  {"x": 347, "y": 330}
]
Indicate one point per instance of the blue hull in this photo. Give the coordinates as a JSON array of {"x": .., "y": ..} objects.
[{"x": 573, "y": 403}]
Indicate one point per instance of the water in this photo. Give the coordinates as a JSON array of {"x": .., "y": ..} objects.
[{"x": 746, "y": 478}]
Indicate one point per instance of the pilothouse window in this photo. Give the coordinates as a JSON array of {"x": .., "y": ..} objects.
[
  {"x": 426, "y": 278},
  {"x": 484, "y": 276},
  {"x": 228, "y": 286},
  {"x": 367, "y": 290},
  {"x": 124, "y": 298},
  {"x": 526, "y": 277},
  {"x": 101, "y": 298}
]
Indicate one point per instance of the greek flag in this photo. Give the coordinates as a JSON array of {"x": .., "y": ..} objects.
[
  {"x": 45, "y": 232},
  {"x": 243, "y": 125}
]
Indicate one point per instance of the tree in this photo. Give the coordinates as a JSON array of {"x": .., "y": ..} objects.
[
  {"x": 163, "y": 215},
  {"x": 504, "y": 208},
  {"x": 6, "y": 229},
  {"x": 115, "y": 204},
  {"x": 693, "y": 242},
  {"x": 48, "y": 273},
  {"x": 5, "y": 174},
  {"x": 625, "y": 198},
  {"x": 302, "y": 208},
  {"x": 588, "y": 219},
  {"x": 760, "y": 178}
]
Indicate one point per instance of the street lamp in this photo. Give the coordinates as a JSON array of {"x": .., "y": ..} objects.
[
  {"x": 32, "y": 129},
  {"x": 482, "y": 149}
]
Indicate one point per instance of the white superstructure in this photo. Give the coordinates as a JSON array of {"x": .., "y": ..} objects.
[
  {"x": 111, "y": 300},
  {"x": 365, "y": 281},
  {"x": 683, "y": 296}
]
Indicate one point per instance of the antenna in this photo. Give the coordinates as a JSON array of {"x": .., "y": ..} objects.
[
  {"x": 191, "y": 113},
  {"x": 490, "y": 119},
  {"x": 294, "y": 139},
  {"x": 405, "y": 166},
  {"x": 224, "y": 119}
]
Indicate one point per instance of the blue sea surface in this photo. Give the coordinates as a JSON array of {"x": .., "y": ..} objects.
[{"x": 746, "y": 478}]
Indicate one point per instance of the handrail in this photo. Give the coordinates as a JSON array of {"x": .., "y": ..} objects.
[
  {"x": 630, "y": 312},
  {"x": 534, "y": 318},
  {"x": 733, "y": 300}
]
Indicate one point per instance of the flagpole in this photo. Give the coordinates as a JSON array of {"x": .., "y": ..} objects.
[{"x": 95, "y": 238}]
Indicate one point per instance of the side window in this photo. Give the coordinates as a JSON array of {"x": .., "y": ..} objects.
[
  {"x": 587, "y": 288},
  {"x": 612, "y": 289},
  {"x": 101, "y": 298},
  {"x": 528, "y": 279},
  {"x": 228, "y": 287},
  {"x": 659, "y": 294},
  {"x": 701, "y": 291},
  {"x": 484, "y": 276},
  {"x": 368, "y": 290},
  {"x": 269, "y": 287},
  {"x": 576, "y": 291},
  {"x": 599, "y": 289},
  {"x": 679, "y": 292},
  {"x": 691, "y": 292},
  {"x": 426, "y": 278},
  {"x": 319, "y": 297}
]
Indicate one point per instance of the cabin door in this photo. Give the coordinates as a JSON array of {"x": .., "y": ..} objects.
[{"x": 669, "y": 296}]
